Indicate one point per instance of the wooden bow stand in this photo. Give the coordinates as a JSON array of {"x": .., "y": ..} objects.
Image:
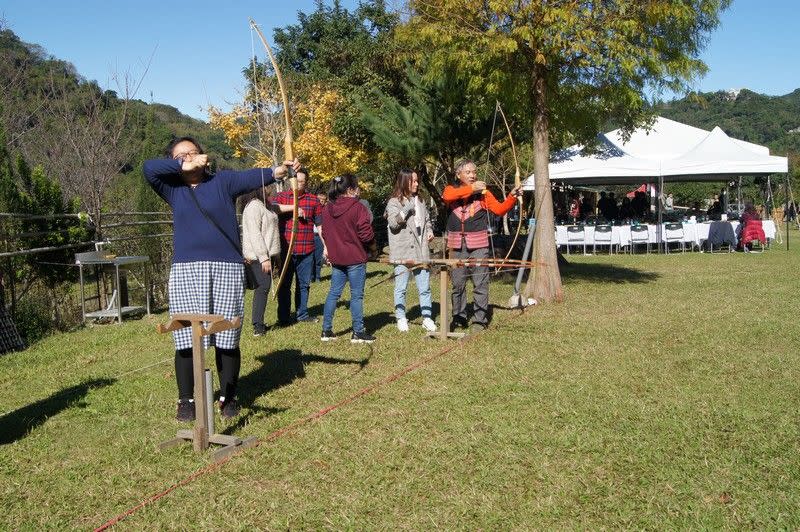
[
  {"x": 203, "y": 433},
  {"x": 444, "y": 307}
]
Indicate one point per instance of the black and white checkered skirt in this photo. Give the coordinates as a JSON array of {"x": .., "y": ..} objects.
[{"x": 207, "y": 287}]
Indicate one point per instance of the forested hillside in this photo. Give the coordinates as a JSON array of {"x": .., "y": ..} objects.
[
  {"x": 70, "y": 147},
  {"x": 89, "y": 139}
]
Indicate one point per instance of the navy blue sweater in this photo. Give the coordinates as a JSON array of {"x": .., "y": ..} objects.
[{"x": 194, "y": 237}]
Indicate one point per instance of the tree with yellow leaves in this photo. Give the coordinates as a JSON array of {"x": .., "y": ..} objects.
[
  {"x": 254, "y": 129},
  {"x": 318, "y": 144}
]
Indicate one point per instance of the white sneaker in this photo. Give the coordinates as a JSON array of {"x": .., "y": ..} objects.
[
  {"x": 429, "y": 325},
  {"x": 402, "y": 325}
]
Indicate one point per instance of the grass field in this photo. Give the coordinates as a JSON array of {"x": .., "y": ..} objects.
[{"x": 663, "y": 393}]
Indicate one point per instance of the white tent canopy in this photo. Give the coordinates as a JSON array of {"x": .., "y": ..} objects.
[
  {"x": 669, "y": 150},
  {"x": 720, "y": 154}
]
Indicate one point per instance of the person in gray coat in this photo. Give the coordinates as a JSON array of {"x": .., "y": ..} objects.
[
  {"x": 410, "y": 233},
  {"x": 261, "y": 245}
]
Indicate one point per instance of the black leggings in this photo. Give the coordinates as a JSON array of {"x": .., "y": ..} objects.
[
  {"x": 260, "y": 294},
  {"x": 229, "y": 362}
]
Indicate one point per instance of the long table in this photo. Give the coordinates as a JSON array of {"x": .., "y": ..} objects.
[{"x": 693, "y": 233}]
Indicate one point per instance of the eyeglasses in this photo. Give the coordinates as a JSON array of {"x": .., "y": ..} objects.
[{"x": 185, "y": 154}]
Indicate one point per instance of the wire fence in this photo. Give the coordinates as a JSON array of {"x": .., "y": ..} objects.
[{"x": 39, "y": 274}]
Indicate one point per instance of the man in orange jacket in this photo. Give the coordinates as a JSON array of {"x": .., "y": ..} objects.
[{"x": 467, "y": 237}]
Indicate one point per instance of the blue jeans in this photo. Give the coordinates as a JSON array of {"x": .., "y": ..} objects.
[
  {"x": 340, "y": 275},
  {"x": 318, "y": 258},
  {"x": 300, "y": 267},
  {"x": 422, "y": 276}
]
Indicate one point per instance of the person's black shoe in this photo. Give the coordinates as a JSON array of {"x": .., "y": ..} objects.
[
  {"x": 458, "y": 323},
  {"x": 259, "y": 330},
  {"x": 185, "y": 410},
  {"x": 327, "y": 336},
  {"x": 285, "y": 323},
  {"x": 362, "y": 337},
  {"x": 229, "y": 408}
]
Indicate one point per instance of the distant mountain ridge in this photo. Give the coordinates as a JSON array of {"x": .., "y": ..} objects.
[
  {"x": 773, "y": 121},
  {"x": 25, "y": 72}
]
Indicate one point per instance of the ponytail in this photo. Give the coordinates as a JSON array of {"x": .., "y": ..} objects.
[{"x": 340, "y": 184}]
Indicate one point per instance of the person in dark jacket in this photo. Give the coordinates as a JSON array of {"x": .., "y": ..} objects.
[
  {"x": 346, "y": 235},
  {"x": 207, "y": 273}
]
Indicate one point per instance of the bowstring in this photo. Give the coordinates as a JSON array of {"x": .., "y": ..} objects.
[
  {"x": 489, "y": 214},
  {"x": 257, "y": 101}
]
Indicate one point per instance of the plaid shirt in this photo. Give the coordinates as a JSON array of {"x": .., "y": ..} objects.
[{"x": 312, "y": 208}]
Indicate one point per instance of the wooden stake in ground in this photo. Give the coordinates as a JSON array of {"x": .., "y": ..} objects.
[
  {"x": 202, "y": 435},
  {"x": 444, "y": 307}
]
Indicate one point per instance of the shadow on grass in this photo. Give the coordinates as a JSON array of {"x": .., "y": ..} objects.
[
  {"x": 372, "y": 323},
  {"x": 278, "y": 369},
  {"x": 414, "y": 312},
  {"x": 606, "y": 273},
  {"x": 16, "y": 424}
]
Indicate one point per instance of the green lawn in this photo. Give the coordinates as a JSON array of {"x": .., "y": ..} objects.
[{"x": 663, "y": 393}]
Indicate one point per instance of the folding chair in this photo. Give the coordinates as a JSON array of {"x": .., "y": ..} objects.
[
  {"x": 602, "y": 236},
  {"x": 576, "y": 235},
  {"x": 723, "y": 234},
  {"x": 640, "y": 235},
  {"x": 673, "y": 232}
]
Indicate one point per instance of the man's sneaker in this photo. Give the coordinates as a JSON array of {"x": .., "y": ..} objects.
[
  {"x": 185, "y": 410},
  {"x": 458, "y": 323},
  {"x": 402, "y": 325},
  {"x": 477, "y": 327},
  {"x": 429, "y": 325},
  {"x": 229, "y": 409},
  {"x": 259, "y": 331},
  {"x": 327, "y": 336},
  {"x": 362, "y": 337}
]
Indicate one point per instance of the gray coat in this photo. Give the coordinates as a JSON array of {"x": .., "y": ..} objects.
[
  {"x": 404, "y": 240},
  {"x": 260, "y": 237}
]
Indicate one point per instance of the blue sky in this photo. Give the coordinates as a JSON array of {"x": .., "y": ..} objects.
[{"x": 198, "y": 48}]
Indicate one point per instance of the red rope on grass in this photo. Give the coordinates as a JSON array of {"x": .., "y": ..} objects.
[{"x": 277, "y": 434}]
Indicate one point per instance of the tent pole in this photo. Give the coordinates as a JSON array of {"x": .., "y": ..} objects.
[
  {"x": 786, "y": 211},
  {"x": 769, "y": 201},
  {"x": 660, "y": 212},
  {"x": 739, "y": 195}
]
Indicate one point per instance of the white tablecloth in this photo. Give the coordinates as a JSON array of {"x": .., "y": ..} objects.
[
  {"x": 616, "y": 235},
  {"x": 693, "y": 233}
]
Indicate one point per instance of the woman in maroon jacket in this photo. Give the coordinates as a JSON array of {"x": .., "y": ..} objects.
[{"x": 346, "y": 234}]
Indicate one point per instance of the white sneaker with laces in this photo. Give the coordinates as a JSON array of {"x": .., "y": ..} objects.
[
  {"x": 402, "y": 325},
  {"x": 429, "y": 325}
]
